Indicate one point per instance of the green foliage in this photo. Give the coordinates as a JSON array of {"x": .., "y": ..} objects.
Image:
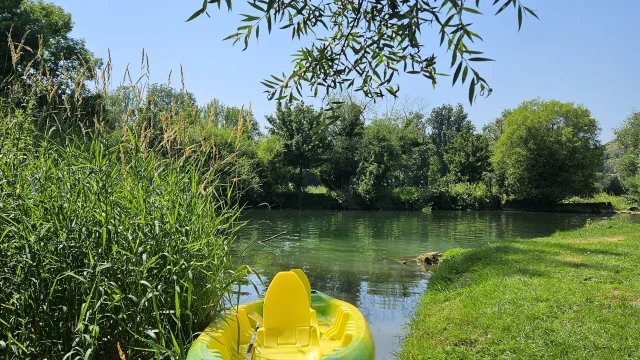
[
  {"x": 410, "y": 198},
  {"x": 115, "y": 243},
  {"x": 619, "y": 202},
  {"x": 462, "y": 154},
  {"x": 316, "y": 189},
  {"x": 294, "y": 125},
  {"x": 363, "y": 45},
  {"x": 628, "y": 165},
  {"x": 345, "y": 135},
  {"x": 570, "y": 295},
  {"x": 274, "y": 174},
  {"x": 42, "y": 28},
  {"x": 377, "y": 158},
  {"x": 549, "y": 151},
  {"x": 217, "y": 114},
  {"x": 494, "y": 130},
  {"x": 609, "y": 183},
  {"x": 468, "y": 156},
  {"x": 472, "y": 196},
  {"x": 94, "y": 259},
  {"x": 108, "y": 248}
]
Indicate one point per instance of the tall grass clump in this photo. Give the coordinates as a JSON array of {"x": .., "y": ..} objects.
[{"x": 111, "y": 247}]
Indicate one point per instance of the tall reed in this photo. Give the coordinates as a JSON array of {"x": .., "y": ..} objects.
[{"x": 111, "y": 246}]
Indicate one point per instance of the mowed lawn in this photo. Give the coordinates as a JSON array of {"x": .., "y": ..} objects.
[{"x": 574, "y": 295}]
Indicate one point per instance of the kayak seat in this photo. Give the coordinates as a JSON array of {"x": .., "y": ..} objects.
[
  {"x": 286, "y": 332},
  {"x": 220, "y": 346},
  {"x": 307, "y": 286},
  {"x": 233, "y": 329},
  {"x": 343, "y": 328}
]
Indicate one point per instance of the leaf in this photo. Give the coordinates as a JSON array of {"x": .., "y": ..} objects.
[
  {"x": 464, "y": 73},
  {"x": 270, "y": 4},
  {"x": 531, "y": 12},
  {"x": 256, "y": 6},
  {"x": 231, "y": 36},
  {"x": 504, "y": 6},
  {"x": 196, "y": 14},
  {"x": 249, "y": 18},
  {"x": 456, "y": 73},
  {"x": 472, "y": 10},
  {"x": 519, "y": 17},
  {"x": 472, "y": 90},
  {"x": 480, "y": 59}
]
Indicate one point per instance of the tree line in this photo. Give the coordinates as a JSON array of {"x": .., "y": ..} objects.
[{"x": 541, "y": 151}]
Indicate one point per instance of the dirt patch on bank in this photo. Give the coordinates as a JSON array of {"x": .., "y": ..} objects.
[{"x": 598, "y": 240}]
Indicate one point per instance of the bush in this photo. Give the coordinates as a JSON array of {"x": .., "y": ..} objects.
[
  {"x": 609, "y": 184},
  {"x": 472, "y": 196}
]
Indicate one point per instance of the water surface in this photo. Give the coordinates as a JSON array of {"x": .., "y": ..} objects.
[{"x": 354, "y": 256}]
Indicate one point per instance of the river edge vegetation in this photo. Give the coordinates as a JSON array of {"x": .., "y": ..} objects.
[
  {"x": 561, "y": 297},
  {"x": 116, "y": 227}
]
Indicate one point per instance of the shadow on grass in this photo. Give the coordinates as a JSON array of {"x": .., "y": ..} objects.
[{"x": 510, "y": 259}]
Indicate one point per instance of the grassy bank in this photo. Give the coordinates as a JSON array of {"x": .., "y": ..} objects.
[{"x": 572, "y": 295}]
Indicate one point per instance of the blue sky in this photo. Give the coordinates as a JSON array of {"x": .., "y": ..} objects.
[{"x": 583, "y": 51}]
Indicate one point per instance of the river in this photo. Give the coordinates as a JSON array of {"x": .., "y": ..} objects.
[{"x": 354, "y": 256}]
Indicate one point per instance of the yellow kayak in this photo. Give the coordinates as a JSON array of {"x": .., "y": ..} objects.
[{"x": 291, "y": 322}]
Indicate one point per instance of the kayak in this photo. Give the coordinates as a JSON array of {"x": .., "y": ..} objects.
[{"x": 291, "y": 322}]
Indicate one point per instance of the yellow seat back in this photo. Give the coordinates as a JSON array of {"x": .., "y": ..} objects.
[
  {"x": 305, "y": 281},
  {"x": 286, "y": 308}
]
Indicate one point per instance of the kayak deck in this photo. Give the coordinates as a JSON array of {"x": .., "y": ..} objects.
[{"x": 291, "y": 322}]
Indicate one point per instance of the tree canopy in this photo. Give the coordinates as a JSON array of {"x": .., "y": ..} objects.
[
  {"x": 549, "y": 151},
  {"x": 363, "y": 45},
  {"x": 628, "y": 165},
  {"x": 30, "y": 27}
]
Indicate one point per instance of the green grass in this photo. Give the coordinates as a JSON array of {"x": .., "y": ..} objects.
[
  {"x": 573, "y": 295},
  {"x": 619, "y": 202},
  {"x": 311, "y": 189}
]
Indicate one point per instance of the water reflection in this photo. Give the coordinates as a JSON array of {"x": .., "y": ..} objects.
[{"x": 353, "y": 255}]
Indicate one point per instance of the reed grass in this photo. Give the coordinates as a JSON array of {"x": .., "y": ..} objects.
[{"x": 111, "y": 246}]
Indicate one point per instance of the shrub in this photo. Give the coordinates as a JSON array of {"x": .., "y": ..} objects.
[{"x": 472, "y": 196}]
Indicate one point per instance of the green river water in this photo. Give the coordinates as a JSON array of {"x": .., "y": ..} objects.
[{"x": 353, "y": 255}]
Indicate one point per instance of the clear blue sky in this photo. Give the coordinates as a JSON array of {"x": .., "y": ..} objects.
[{"x": 583, "y": 51}]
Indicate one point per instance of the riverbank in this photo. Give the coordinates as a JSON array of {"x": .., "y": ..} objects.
[{"x": 571, "y": 295}]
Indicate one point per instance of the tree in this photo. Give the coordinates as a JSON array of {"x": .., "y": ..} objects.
[
  {"x": 495, "y": 129},
  {"x": 468, "y": 156},
  {"x": 295, "y": 125},
  {"x": 364, "y": 44},
  {"x": 344, "y": 139},
  {"x": 378, "y": 158},
  {"x": 628, "y": 165},
  {"x": 33, "y": 26},
  {"x": 549, "y": 151},
  {"x": 444, "y": 123}
]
